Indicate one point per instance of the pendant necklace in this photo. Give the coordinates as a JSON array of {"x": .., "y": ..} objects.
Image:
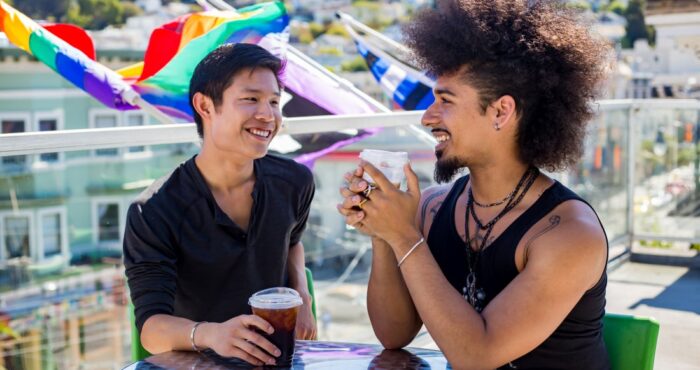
[{"x": 472, "y": 292}]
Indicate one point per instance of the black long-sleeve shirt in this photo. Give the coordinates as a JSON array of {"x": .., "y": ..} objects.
[{"x": 185, "y": 257}]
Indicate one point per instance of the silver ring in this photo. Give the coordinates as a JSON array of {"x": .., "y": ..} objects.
[{"x": 368, "y": 191}]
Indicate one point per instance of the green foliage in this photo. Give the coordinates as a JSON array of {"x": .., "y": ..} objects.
[
  {"x": 616, "y": 7},
  {"x": 695, "y": 246},
  {"x": 43, "y": 9},
  {"x": 636, "y": 27},
  {"x": 336, "y": 28},
  {"x": 330, "y": 50},
  {"x": 316, "y": 29},
  {"x": 655, "y": 244},
  {"x": 355, "y": 65},
  {"x": 131, "y": 10},
  {"x": 579, "y": 5},
  {"x": 96, "y": 14}
]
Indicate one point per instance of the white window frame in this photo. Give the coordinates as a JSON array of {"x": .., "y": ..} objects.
[
  {"x": 63, "y": 227},
  {"x": 32, "y": 230},
  {"x": 96, "y": 201},
  {"x": 92, "y": 116},
  {"x": 146, "y": 148},
  {"x": 121, "y": 121},
  {"x": 56, "y": 114},
  {"x": 23, "y": 115}
]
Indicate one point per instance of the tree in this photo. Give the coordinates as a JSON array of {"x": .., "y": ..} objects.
[
  {"x": 336, "y": 28},
  {"x": 616, "y": 7},
  {"x": 43, "y": 9},
  {"x": 95, "y": 14},
  {"x": 130, "y": 10},
  {"x": 636, "y": 27},
  {"x": 356, "y": 65},
  {"x": 316, "y": 29}
]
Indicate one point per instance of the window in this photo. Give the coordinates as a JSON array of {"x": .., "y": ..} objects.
[
  {"x": 51, "y": 234},
  {"x": 107, "y": 222},
  {"x": 48, "y": 121},
  {"x": 135, "y": 120},
  {"x": 105, "y": 120},
  {"x": 12, "y": 126},
  {"x": 17, "y": 231}
]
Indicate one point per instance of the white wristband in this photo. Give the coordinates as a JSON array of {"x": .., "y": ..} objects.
[{"x": 411, "y": 251}]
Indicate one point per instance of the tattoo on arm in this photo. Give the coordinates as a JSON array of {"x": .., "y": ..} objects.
[
  {"x": 428, "y": 199},
  {"x": 554, "y": 221}
]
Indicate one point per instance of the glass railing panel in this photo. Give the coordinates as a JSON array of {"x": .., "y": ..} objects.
[
  {"x": 338, "y": 255},
  {"x": 666, "y": 200},
  {"x": 62, "y": 293}
]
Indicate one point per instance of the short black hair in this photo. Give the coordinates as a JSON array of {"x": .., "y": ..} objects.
[
  {"x": 215, "y": 72},
  {"x": 540, "y": 52}
]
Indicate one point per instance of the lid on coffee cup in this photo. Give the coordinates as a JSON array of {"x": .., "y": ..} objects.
[{"x": 275, "y": 298}]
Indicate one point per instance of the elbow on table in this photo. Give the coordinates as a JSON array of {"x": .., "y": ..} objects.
[
  {"x": 470, "y": 360},
  {"x": 393, "y": 342},
  {"x": 394, "y": 339}
]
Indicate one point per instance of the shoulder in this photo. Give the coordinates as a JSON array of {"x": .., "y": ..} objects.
[
  {"x": 287, "y": 170},
  {"x": 169, "y": 195},
  {"x": 570, "y": 238},
  {"x": 430, "y": 202}
]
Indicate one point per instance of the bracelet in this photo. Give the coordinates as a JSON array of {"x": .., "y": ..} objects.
[
  {"x": 194, "y": 329},
  {"x": 411, "y": 251}
]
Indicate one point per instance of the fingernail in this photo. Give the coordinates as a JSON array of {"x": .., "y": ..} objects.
[
  {"x": 356, "y": 198},
  {"x": 277, "y": 352},
  {"x": 362, "y": 184}
]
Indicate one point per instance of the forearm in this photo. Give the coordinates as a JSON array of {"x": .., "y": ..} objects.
[
  {"x": 389, "y": 304},
  {"x": 456, "y": 327},
  {"x": 162, "y": 333},
  {"x": 297, "y": 272}
]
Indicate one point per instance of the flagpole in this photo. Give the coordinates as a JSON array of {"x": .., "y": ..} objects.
[
  {"x": 371, "y": 31},
  {"x": 135, "y": 99},
  {"x": 381, "y": 54},
  {"x": 419, "y": 133}
]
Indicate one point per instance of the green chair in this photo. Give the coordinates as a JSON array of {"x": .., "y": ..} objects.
[
  {"x": 630, "y": 341},
  {"x": 138, "y": 353}
]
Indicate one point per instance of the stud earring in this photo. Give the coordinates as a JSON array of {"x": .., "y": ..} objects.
[{"x": 495, "y": 125}]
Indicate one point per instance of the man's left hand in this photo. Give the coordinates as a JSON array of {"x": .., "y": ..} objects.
[{"x": 306, "y": 324}]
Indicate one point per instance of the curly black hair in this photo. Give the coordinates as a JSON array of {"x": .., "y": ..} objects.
[{"x": 539, "y": 52}]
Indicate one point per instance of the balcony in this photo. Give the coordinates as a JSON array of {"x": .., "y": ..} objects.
[{"x": 61, "y": 221}]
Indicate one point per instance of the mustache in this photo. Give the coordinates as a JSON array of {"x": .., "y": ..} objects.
[{"x": 439, "y": 130}]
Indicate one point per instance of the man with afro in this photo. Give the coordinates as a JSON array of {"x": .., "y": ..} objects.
[{"x": 506, "y": 267}]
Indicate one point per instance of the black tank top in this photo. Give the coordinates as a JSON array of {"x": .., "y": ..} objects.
[{"x": 578, "y": 342}]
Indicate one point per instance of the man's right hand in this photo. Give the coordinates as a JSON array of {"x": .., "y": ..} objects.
[
  {"x": 352, "y": 196},
  {"x": 238, "y": 338}
]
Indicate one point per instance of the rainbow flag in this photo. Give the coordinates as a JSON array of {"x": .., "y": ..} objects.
[{"x": 174, "y": 50}]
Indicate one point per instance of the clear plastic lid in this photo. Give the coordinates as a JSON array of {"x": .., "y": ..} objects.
[{"x": 275, "y": 298}]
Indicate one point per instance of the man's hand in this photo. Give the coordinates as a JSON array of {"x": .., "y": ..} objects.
[
  {"x": 237, "y": 337},
  {"x": 352, "y": 196},
  {"x": 306, "y": 324},
  {"x": 389, "y": 213}
]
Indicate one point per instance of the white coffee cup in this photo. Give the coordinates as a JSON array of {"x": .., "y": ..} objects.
[{"x": 389, "y": 163}]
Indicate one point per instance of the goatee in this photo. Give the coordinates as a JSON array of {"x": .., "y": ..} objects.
[{"x": 446, "y": 169}]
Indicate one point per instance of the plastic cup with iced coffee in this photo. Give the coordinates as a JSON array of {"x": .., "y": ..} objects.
[
  {"x": 389, "y": 163},
  {"x": 279, "y": 307}
]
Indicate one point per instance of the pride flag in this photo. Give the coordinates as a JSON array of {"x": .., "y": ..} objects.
[
  {"x": 409, "y": 88},
  {"x": 175, "y": 49}
]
